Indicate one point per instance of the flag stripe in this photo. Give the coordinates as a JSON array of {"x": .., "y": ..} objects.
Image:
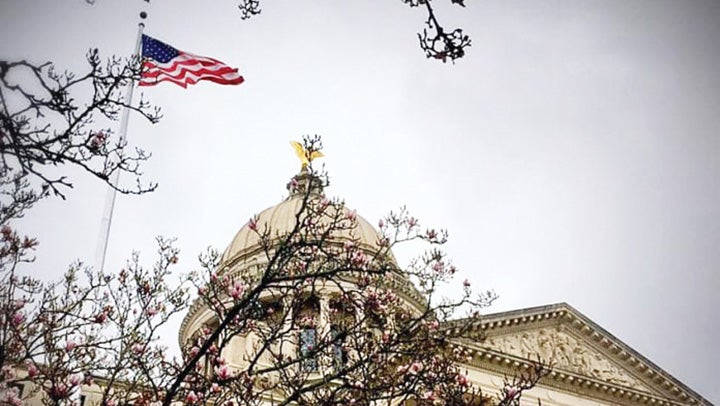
[
  {"x": 153, "y": 70},
  {"x": 182, "y": 68},
  {"x": 187, "y": 77},
  {"x": 193, "y": 77}
]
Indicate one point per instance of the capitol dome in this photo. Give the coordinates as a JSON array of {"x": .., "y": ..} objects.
[
  {"x": 246, "y": 255},
  {"x": 281, "y": 219}
]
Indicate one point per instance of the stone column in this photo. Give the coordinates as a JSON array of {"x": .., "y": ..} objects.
[
  {"x": 323, "y": 330},
  {"x": 324, "y": 317}
]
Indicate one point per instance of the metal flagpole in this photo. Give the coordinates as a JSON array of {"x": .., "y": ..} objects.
[{"x": 112, "y": 192}]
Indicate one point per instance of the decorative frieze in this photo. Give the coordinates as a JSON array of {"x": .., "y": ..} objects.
[{"x": 565, "y": 352}]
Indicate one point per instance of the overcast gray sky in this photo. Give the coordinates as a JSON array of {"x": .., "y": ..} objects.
[{"x": 573, "y": 154}]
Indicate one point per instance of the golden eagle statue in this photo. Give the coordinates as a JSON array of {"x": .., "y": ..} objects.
[{"x": 305, "y": 155}]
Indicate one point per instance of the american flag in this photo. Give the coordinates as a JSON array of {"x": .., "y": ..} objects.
[{"x": 162, "y": 62}]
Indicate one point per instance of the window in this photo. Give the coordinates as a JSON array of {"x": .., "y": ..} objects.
[
  {"x": 256, "y": 310},
  {"x": 308, "y": 337},
  {"x": 339, "y": 355}
]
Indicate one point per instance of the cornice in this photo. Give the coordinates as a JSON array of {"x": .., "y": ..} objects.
[
  {"x": 573, "y": 322},
  {"x": 507, "y": 365}
]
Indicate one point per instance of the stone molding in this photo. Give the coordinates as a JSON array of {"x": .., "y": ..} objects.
[
  {"x": 564, "y": 352},
  {"x": 626, "y": 377}
]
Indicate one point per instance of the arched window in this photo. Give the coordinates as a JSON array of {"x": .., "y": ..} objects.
[
  {"x": 337, "y": 348},
  {"x": 306, "y": 317},
  {"x": 308, "y": 342},
  {"x": 342, "y": 318}
]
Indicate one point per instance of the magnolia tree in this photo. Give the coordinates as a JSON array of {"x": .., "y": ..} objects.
[
  {"x": 51, "y": 118},
  {"x": 90, "y": 329},
  {"x": 323, "y": 317},
  {"x": 49, "y": 333}
]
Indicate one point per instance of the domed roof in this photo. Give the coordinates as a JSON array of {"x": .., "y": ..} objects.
[
  {"x": 281, "y": 219},
  {"x": 245, "y": 252}
]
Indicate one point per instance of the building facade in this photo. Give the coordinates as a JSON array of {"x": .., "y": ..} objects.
[{"x": 589, "y": 365}]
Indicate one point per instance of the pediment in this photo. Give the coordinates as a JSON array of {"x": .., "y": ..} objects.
[
  {"x": 566, "y": 353},
  {"x": 584, "y": 357}
]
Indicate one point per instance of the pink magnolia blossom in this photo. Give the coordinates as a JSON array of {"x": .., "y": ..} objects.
[
  {"x": 152, "y": 311},
  {"x": 75, "y": 379},
  {"x": 191, "y": 397},
  {"x": 100, "y": 318},
  {"x": 6, "y": 231},
  {"x": 462, "y": 380},
  {"x": 431, "y": 234},
  {"x": 59, "y": 391},
  {"x": 32, "y": 370},
  {"x": 97, "y": 140},
  {"x": 18, "y": 318},
  {"x": 223, "y": 372},
  {"x": 307, "y": 321},
  {"x": 138, "y": 349},
  {"x": 416, "y": 367},
  {"x": 70, "y": 345},
  {"x": 433, "y": 325},
  {"x": 252, "y": 224},
  {"x": 512, "y": 392},
  {"x": 358, "y": 259},
  {"x": 381, "y": 223},
  {"x": 351, "y": 215},
  {"x": 237, "y": 289},
  {"x": 466, "y": 283},
  {"x": 12, "y": 397},
  {"x": 7, "y": 373},
  {"x": 429, "y": 395}
]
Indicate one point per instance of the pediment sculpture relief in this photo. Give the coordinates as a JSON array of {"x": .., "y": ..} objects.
[{"x": 565, "y": 352}]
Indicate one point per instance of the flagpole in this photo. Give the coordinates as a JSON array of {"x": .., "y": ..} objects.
[{"x": 112, "y": 192}]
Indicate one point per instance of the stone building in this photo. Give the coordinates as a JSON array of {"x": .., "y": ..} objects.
[{"x": 591, "y": 366}]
